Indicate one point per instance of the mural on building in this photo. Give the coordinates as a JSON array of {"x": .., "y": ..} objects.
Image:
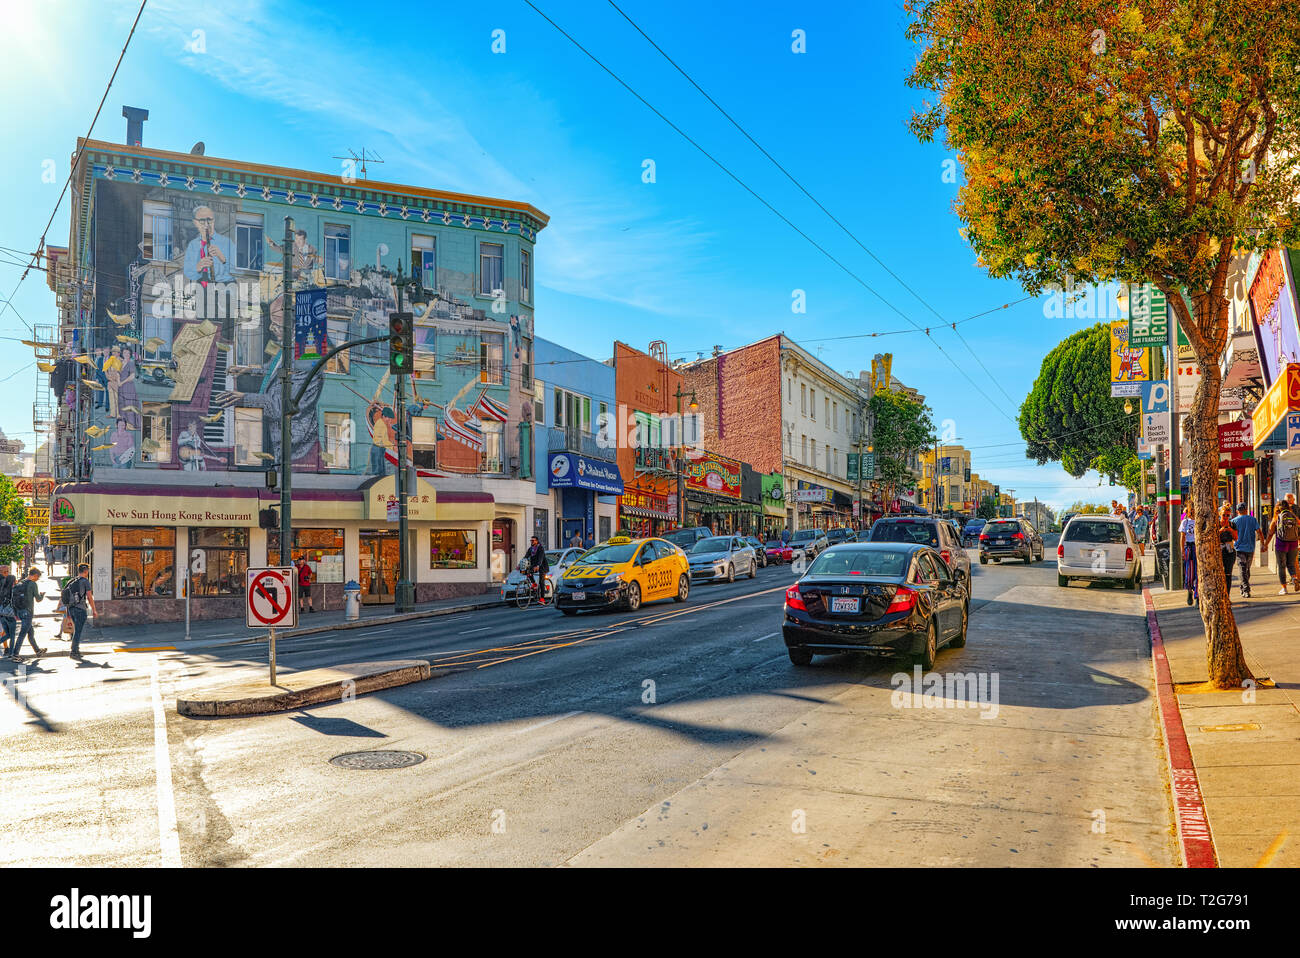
[{"x": 185, "y": 366}]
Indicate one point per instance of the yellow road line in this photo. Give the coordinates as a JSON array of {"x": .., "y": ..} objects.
[{"x": 1271, "y": 852}]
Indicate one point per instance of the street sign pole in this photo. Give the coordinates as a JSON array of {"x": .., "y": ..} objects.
[{"x": 271, "y": 643}]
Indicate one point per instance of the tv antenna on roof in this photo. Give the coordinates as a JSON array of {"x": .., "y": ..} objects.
[{"x": 366, "y": 156}]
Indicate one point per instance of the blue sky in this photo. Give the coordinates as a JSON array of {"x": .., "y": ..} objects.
[{"x": 690, "y": 258}]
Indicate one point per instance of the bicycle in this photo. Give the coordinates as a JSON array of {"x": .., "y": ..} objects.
[{"x": 525, "y": 593}]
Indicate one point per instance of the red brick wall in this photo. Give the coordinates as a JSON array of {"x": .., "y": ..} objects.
[{"x": 747, "y": 425}]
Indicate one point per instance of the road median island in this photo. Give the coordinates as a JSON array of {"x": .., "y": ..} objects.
[{"x": 254, "y": 696}]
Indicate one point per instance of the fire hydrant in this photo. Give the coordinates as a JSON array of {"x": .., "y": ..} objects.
[{"x": 352, "y": 601}]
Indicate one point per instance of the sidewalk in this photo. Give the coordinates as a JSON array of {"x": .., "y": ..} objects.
[
  {"x": 217, "y": 633},
  {"x": 1245, "y": 746}
]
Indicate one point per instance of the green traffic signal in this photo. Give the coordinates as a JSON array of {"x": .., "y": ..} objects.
[{"x": 401, "y": 343}]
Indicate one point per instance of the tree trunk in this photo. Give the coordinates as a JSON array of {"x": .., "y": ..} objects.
[{"x": 1223, "y": 656}]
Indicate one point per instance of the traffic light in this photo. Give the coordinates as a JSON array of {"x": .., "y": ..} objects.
[
  {"x": 401, "y": 342},
  {"x": 268, "y": 519}
]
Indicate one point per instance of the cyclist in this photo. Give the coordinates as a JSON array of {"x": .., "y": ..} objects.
[{"x": 537, "y": 567}]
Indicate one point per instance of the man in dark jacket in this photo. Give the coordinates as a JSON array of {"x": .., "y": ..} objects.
[
  {"x": 537, "y": 567},
  {"x": 8, "y": 623},
  {"x": 78, "y": 596},
  {"x": 25, "y": 597}
]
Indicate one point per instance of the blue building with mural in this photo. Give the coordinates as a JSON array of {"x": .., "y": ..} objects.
[
  {"x": 574, "y": 422},
  {"x": 173, "y": 339}
]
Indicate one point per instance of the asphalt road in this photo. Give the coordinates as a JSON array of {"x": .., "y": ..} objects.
[{"x": 679, "y": 735}]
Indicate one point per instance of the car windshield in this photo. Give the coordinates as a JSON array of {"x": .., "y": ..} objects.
[
  {"x": 805, "y": 534},
  {"x": 553, "y": 556},
  {"x": 1094, "y": 530},
  {"x": 918, "y": 532},
  {"x": 860, "y": 562},
  {"x": 716, "y": 544},
  {"x": 975, "y": 524},
  {"x": 682, "y": 537},
  {"x": 775, "y": 544},
  {"x": 611, "y": 555}
]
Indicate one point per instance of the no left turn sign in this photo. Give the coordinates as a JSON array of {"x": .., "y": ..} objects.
[{"x": 271, "y": 598}]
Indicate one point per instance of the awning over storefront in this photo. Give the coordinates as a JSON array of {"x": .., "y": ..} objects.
[{"x": 1269, "y": 418}]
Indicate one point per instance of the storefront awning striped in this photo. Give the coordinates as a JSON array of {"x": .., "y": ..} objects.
[{"x": 642, "y": 513}]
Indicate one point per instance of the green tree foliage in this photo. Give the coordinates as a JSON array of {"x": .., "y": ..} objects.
[
  {"x": 1149, "y": 141},
  {"x": 901, "y": 429},
  {"x": 988, "y": 508},
  {"x": 13, "y": 510},
  {"x": 1069, "y": 416},
  {"x": 1080, "y": 508}
]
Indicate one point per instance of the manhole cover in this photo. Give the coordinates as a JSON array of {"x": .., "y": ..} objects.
[{"x": 375, "y": 760}]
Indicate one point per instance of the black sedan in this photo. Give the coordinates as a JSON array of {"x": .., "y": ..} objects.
[{"x": 881, "y": 598}]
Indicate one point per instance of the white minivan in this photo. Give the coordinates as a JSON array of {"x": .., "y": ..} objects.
[{"x": 1098, "y": 547}]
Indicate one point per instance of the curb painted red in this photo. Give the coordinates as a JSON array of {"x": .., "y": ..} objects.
[{"x": 1189, "y": 807}]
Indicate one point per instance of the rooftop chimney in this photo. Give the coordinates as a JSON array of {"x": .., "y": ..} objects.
[{"x": 135, "y": 117}]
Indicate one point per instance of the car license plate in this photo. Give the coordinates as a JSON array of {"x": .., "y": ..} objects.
[
  {"x": 579, "y": 596},
  {"x": 1000, "y": 542},
  {"x": 844, "y": 605}
]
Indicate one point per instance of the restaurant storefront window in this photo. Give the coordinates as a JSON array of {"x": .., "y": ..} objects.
[
  {"x": 218, "y": 561},
  {"x": 144, "y": 562},
  {"x": 323, "y": 549},
  {"x": 453, "y": 548}
]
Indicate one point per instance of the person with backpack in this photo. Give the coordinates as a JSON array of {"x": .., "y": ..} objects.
[
  {"x": 1286, "y": 527},
  {"x": 25, "y": 597},
  {"x": 8, "y": 619},
  {"x": 1247, "y": 529},
  {"x": 75, "y": 596}
]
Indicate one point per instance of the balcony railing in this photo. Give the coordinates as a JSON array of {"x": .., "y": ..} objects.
[{"x": 572, "y": 439}]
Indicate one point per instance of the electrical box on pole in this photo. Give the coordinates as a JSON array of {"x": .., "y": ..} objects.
[{"x": 401, "y": 343}]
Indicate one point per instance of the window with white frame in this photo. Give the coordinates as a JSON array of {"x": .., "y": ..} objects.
[
  {"x": 493, "y": 434},
  {"x": 338, "y": 252},
  {"x": 491, "y": 263},
  {"x": 157, "y": 243},
  {"x": 248, "y": 241},
  {"x": 525, "y": 276},
  {"x": 248, "y": 436},
  {"x": 156, "y": 433},
  {"x": 572, "y": 411},
  {"x": 491, "y": 353},
  {"x": 338, "y": 440},
  {"x": 424, "y": 261}
]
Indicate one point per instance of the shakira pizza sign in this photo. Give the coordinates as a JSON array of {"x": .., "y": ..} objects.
[{"x": 714, "y": 473}]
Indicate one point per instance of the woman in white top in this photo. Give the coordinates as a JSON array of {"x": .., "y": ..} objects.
[{"x": 1187, "y": 532}]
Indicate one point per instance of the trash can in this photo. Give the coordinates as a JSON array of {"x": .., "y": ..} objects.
[{"x": 352, "y": 600}]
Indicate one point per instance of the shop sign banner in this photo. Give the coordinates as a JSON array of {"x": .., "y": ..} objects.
[
  {"x": 1292, "y": 431},
  {"x": 571, "y": 471},
  {"x": 1235, "y": 437},
  {"x": 811, "y": 495},
  {"x": 1128, "y": 365},
  {"x": 714, "y": 473},
  {"x": 1281, "y": 398},
  {"x": 310, "y": 329},
  {"x": 1148, "y": 316},
  {"x": 1272, "y": 301},
  {"x": 1155, "y": 427}
]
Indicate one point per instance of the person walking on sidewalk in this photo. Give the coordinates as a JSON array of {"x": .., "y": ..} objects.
[
  {"x": 1247, "y": 530},
  {"x": 24, "y": 599},
  {"x": 1187, "y": 533},
  {"x": 1286, "y": 528},
  {"x": 8, "y": 619},
  {"x": 537, "y": 567},
  {"x": 1227, "y": 543},
  {"x": 75, "y": 597},
  {"x": 1140, "y": 523},
  {"x": 305, "y": 603}
]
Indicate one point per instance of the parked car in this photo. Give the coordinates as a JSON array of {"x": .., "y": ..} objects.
[
  {"x": 624, "y": 572},
  {"x": 1101, "y": 548},
  {"x": 722, "y": 557},
  {"x": 760, "y": 550},
  {"x": 809, "y": 542},
  {"x": 685, "y": 538},
  {"x": 938, "y": 534},
  {"x": 970, "y": 535},
  {"x": 835, "y": 536},
  {"x": 876, "y": 597},
  {"x": 1010, "y": 539},
  {"x": 778, "y": 551}
]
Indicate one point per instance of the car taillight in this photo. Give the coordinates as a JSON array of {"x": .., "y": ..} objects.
[
  {"x": 947, "y": 556},
  {"x": 983, "y": 536},
  {"x": 904, "y": 599},
  {"x": 794, "y": 599},
  {"x": 1060, "y": 551},
  {"x": 1018, "y": 535},
  {"x": 1128, "y": 555}
]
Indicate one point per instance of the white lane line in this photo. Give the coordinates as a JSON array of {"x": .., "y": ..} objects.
[
  {"x": 468, "y": 631},
  {"x": 765, "y": 637},
  {"x": 168, "y": 836},
  {"x": 549, "y": 721},
  {"x": 221, "y": 635},
  {"x": 376, "y": 631}
]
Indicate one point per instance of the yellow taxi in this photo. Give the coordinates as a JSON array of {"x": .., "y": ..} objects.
[{"x": 624, "y": 572}]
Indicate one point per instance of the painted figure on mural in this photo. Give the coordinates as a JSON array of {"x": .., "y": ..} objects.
[
  {"x": 209, "y": 255},
  {"x": 305, "y": 256},
  {"x": 113, "y": 374},
  {"x": 122, "y": 453},
  {"x": 305, "y": 426},
  {"x": 381, "y": 420},
  {"x": 128, "y": 399},
  {"x": 192, "y": 449}
]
